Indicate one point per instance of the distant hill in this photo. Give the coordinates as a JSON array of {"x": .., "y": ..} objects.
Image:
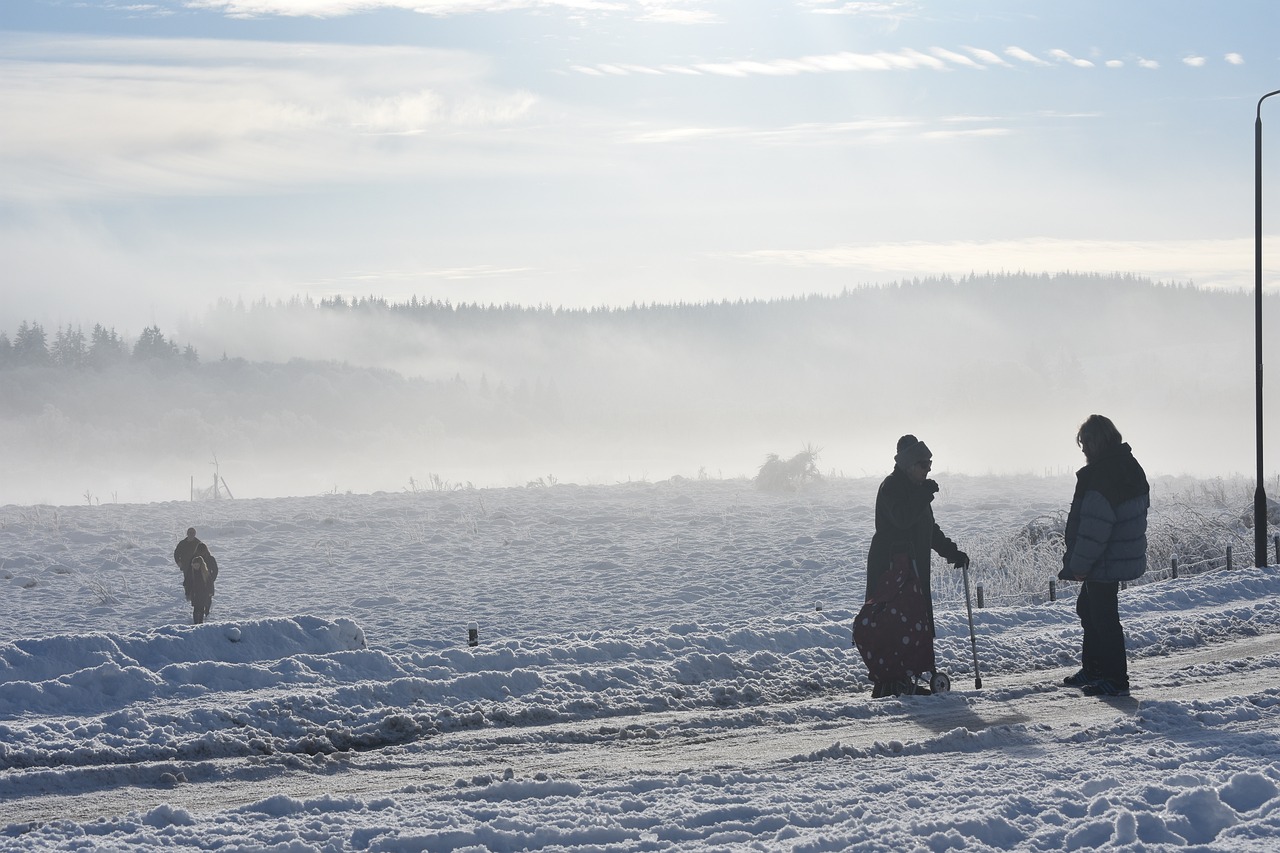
[{"x": 995, "y": 371}]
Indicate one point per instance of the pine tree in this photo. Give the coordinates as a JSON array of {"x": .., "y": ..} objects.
[
  {"x": 152, "y": 345},
  {"x": 31, "y": 345},
  {"x": 105, "y": 347},
  {"x": 69, "y": 349}
]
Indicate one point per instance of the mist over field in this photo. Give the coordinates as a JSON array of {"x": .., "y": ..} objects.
[{"x": 994, "y": 372}]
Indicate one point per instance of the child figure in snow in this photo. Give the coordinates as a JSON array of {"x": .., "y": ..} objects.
[
  {"x": 199, "y": 586},
  {"x": 894, "y": 630},
  {"x": 202, "y": 583}
]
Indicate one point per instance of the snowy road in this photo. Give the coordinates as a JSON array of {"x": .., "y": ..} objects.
[{"x": 1023, "y": 713}]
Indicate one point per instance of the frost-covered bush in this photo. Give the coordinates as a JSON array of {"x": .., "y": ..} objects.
[
  {"x": 788, "y": 475},
  {"x": 1193, "y": 522}
]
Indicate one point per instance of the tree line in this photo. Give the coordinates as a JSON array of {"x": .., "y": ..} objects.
[{"x": 102, "y": 347}]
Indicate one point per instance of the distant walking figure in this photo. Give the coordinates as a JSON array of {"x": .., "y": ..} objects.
[
  {"x": 199, "y": 571},
  {"x": 1106, "y": 543}
]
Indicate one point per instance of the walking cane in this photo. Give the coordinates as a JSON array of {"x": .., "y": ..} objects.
[{"x": 973, "y": 640}]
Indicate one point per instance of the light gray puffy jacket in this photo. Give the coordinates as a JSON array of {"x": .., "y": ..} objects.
[{"x": 1106, "y": 534}]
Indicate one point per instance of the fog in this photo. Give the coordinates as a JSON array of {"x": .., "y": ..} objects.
[{"x": 994, "y": 372}]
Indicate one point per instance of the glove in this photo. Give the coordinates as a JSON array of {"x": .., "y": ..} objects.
[
  {"x": 960, "y": 560},
  {"x": 931, "y": 486}
]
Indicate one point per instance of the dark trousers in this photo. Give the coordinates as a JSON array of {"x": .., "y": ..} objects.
[{"x": 1102, "y": 653}]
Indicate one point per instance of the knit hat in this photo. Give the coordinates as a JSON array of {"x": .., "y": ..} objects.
[{"x": 910, "y": 451}]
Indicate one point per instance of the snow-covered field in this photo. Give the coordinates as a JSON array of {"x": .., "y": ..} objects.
[{"x": 661, "y": 666}]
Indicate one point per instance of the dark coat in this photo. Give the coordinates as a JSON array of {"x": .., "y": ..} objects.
[
  {"x": 904, "y": 524},
  {"x": 185, "y": 551},
  {"x": 1106, "y": 533}
]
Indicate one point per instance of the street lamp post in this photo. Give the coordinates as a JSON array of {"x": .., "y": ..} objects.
[{"x": 1260, "y": 493}]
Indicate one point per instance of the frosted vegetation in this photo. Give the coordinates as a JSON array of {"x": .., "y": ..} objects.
[{"x": 1198, "y": 524}]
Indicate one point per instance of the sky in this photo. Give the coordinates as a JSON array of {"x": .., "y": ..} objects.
[
  {"x": 158, "y": 156},
  {"x": 658, "y": 667}
]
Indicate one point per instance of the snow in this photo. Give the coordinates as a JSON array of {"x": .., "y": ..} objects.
[{"x": 660, "y": 666}]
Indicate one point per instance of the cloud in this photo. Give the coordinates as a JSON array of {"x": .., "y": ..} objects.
[
  {"x": 685, "y": 134},
  {"x": 878, "y": 131},
  {"x": 342, "y": 285},
  {"x": 437, "y": 8},
  {"x": 971, "y": 132},
  {"x": 952, "y": 56},
  {"x": 987, "y": 56},
  {"x": 907, "y": 59},
  {"x": 675, "y": 12},
  {"x": 893, "y": 10},
  {"x": 141, "y": 9},
  {"x": 138, "y": 116},
  {"x": 657, "y": 11},
  {"x": 1063, "y": 56},
  {"x": 1024, "y": 56},
  {"x": 1226, "y": 263}
]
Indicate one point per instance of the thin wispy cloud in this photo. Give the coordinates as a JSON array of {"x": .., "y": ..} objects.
[
  {"x": 903, "y": 60},
  {"x": 892, "y": 10},
  {"x": 684, "y": 134},
  {"x": 140, "y": 9},
  {"x": 986, "y": 56},
  {"x": 437, "y": 8},
  {"x": 1194, "y": 61},
  {"x": 243, "y": 114},
  {"x": 1207, "y": 262},
  {"x": 877, "y": 131},
  {"x": 1024, "y": 56},
  {"x": 907, "y": 59},
  {"x": 478, "y": 271},
  {"x": 954, "y": 58},
  {"x": 965, "y": 133},
  {"x": 1063, "y": 56},
  {"x": 675, "y": 13},
  {"x": 653, "y": 11},
  {"x": 1234, "y": 59}
]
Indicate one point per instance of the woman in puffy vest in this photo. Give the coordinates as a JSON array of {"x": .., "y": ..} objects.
[{"x": 1106, "y": 543}]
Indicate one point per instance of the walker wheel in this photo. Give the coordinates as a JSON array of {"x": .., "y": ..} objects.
[{"x": 940, "y": 683}]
